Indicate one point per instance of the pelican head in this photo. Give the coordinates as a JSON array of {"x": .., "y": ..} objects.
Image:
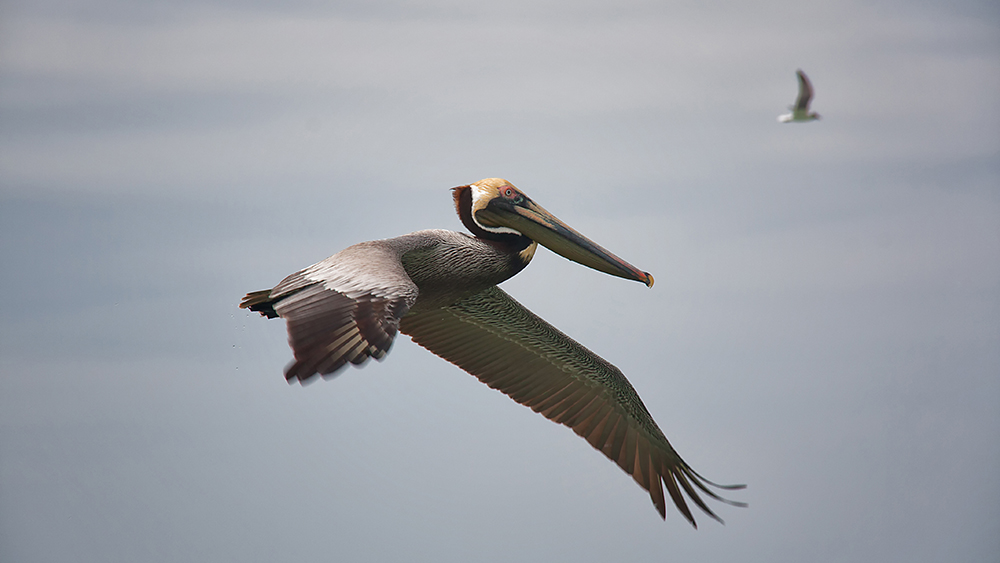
[{"x": 496, "y": 210}]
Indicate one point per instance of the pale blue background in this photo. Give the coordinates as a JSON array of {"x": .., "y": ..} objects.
[{"x": 825, "y": 324}]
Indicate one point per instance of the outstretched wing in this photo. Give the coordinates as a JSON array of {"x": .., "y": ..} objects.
[
  {"x": 343, "y": 309},
  {"x": 507, "y": 347},
  {"x": 805, "y": 92}
]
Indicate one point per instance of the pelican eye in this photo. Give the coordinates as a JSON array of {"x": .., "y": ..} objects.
[{"x": 512, "y": 195}]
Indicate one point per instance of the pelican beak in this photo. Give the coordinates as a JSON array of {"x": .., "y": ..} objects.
[{"x": 534, "y": 222}]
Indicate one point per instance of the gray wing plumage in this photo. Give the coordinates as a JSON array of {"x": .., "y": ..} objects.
[
  {"x": 805, "y": 92},
  {"x": 344, "y": 309},
  {"x": 493, "y": 337}
]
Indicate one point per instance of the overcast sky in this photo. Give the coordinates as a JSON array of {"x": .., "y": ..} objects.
[{"x": 825, "y": 324}]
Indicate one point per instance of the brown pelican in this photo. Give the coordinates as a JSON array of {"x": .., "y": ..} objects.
[
  {"x": 440, "y": 288},
  {"x": 800, "y": 111}
]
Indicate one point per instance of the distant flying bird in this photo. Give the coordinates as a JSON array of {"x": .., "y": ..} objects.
[
  {"x": 800, "y": 111},
  {"x": 440, "y": 288}
]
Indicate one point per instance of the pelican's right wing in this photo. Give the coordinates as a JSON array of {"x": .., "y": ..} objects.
[{"x": 507, "y": 347}]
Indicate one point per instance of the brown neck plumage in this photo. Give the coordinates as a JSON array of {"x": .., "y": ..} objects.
[{"x": 463, "y": 205}]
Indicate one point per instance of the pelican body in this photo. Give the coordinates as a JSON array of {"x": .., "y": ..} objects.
[
  {"x": 440, "y": 288},
  {"x": 800, "y": 111}
]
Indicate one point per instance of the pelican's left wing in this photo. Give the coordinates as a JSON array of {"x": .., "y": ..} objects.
[{"x": 507, "y": 347}]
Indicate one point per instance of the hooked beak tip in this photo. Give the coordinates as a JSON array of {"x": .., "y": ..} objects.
[{"x": 649, "y": 279}]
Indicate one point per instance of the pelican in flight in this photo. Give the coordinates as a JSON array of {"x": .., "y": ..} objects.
[
  {"x": 800, "y": 111},
  {"x": 440, "y": 288}
]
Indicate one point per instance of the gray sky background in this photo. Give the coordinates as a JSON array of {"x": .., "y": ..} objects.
[{"x": 825, "y": 325}]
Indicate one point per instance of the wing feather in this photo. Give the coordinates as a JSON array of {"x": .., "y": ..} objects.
[
  {"x": 617, "y": 438},
  {"x": 572, "y": 411},
  {"x": 656, "y": 488},
  {"x": 579, "y": 421},
  {"x": 627, "y": 455}
]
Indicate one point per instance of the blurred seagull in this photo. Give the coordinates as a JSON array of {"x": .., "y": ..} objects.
[{"x": 800, "y": 111}]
